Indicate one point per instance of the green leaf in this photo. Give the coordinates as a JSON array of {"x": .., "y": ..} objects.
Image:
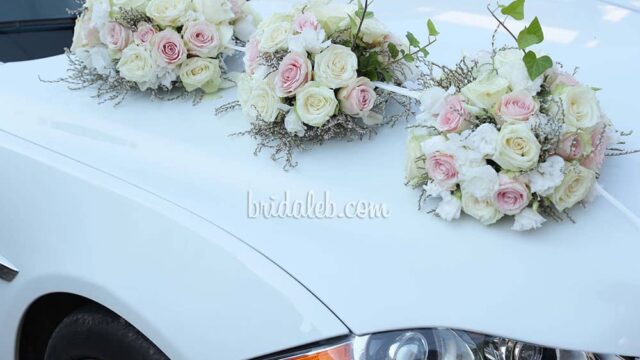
[
  {"x": 393, "y": 50},
  {"x": 360, "y": 6},
  {"x": 424, "y": 52},
  {"x": 531, "y": 34},
  {"x": 409, "y": 58},
  {"x": 413, "y": 40},
  {"x": 536, "y": 66},
  {"x": 515, "y": 10},
  {"x": 354, "y": 24},
  {"x": 432, "y": 28}
]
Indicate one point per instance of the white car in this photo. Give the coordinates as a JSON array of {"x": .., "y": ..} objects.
[{"x": 128, "y": 232}]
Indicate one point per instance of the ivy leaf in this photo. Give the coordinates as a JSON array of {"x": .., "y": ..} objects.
[
  {"x": 432, "y": 28},
  {"x": 413, "y": 40},
  {"x": 393, "y": 50},
  {"x": 409, "y": 58},
  {"x": 515, "y": 10},
  {"x": 531, "y": 34},
  {"x": 424, "y": 52},
  {"x": 536, "y": 66}
]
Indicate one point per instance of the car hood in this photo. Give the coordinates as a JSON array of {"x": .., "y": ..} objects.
[{"x": 575, "y": 286}]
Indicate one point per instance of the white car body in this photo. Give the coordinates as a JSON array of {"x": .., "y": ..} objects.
[{"x": 143, "y": 209}]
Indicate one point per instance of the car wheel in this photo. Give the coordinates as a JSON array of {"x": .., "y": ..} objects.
[{"x": 95, "y": 333}]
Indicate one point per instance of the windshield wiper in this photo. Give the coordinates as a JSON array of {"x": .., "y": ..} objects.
[{"x": 37, "y": 25}]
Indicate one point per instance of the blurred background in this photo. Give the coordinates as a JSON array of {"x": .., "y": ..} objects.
[{"x": 31, "y": 29}]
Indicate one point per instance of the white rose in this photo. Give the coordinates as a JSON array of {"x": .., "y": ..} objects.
[
  {"x": 244, "y": 89},
  {"x": 547, "y": 176},
  {"x": 481, "y": 209},
  {"x": 575, "y": 187},
  {"x": 315, "y": 104},
  {"x": 449, "y": 208},
  {"x": 517, "y": 148},
  {"x": 510, "y": 66},
  {"x": 414, "y": 168},
  {"x": 168, "y": 12},
  {"x": 581, "y": 108},
  {"x": 275, "y": 37},
  {"x": 129, "y": 4},
  {"x": 527, "y": 220},
  {"x": 332, "y": 15},
  {"x": 293, "y": 124},
  {"x": 486, "y": 91},
  {"x": 432, "y": 102},
  {"x": 373, "y": 31},
  {"x": 137, "y": 65},
  {"x": 259, "y": 100},
  {"x": 215, "y": 11},
  {"x": 309, "y": 40},
  {"x": 479, "y": 181},
  {"x": 336, "y": 66},
  {"x": 201, "y": 73}
]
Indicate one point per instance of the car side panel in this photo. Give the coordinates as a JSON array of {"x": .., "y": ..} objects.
[{"x": 191, "y": 287}]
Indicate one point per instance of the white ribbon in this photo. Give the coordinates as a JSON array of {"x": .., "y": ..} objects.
[{"x": 618, "y": 205}]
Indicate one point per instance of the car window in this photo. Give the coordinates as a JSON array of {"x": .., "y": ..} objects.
[{"x": 12, "y": 10}]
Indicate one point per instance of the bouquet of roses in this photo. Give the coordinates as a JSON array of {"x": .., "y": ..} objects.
[
  {"x": 155, "y": 45},
  {"x": 509, "y": 133},
  {"x": 311, "y": 76}
]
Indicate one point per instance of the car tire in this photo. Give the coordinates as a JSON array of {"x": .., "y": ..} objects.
[{"x": 93, "y": 332}]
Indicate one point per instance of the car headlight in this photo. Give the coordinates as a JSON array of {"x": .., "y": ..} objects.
[{"x": 434, "y": 344}]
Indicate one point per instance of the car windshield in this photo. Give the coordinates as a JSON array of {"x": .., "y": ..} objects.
[
  {"x": 12, "y": 10},
  {"x": 32, "y": 29}
]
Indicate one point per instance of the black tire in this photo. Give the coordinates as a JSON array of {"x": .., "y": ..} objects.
[{"x": 95, "y": 333}]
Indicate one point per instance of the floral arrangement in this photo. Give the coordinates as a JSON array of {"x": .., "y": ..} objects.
[
  {"x": 312, "y": 73},
  {"x": 509, "y": 134},
  {"x": 155, "y": 45}
]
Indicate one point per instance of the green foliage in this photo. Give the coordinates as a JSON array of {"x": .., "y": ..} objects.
[
  {"x": 536, "y": 66},
  {"x": 515, "y": 9},
  {"x": 432, "y": 28},
  {"x": 413, "y": 40},
  {"x": 531, "y": 35},
  {"x": 369, "y": 65},
  {"x": 393, "y": 50}
]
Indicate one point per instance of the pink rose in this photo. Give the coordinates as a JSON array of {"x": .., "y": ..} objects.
[
  {"x": 202, "y": 38},
  {"x": 599, "y": 143},
  {"x": 570, "y": 147},
  {"x": 517, "y": 106},
  {"x": 453, "y": 115},
  {"x": 251, "y": 56},
  {"x": 358, "y": 98},
  {"x": 167, "y": 48},
  {"x": 512, "y": 196},
  {"x": 441, "y": 168},
  {"x": 561, "y": 78},
  {"x": 144, "y": 33},
  {"x": 115, "y": 36},
  {"x": 294, "y": 71},
  {"x": 305, "y": 21}
]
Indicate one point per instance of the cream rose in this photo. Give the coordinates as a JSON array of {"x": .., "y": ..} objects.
[
  {"x": 517, "y": 148},
  {"x": 259, "y": 100},
  {"x": 201, "y": 73},
  {"x": 481, "y": 209},
  {"x": 332, "y": 15},
  {"x": 129, "y": 4},
  {"x": 275, "y": 36},
  {"x": 315, "y": 104},
  {"x": 168, "y": 12},
  {"x": 205, "y": 39},
  {"x": 415, "y": 166},
  {"x": 486, "y": 91},
  {"x": 137, "y": 65},
  {"x": 581, "y": 108},
  {"x": 575, "y": 187},
  {"x": 373, "y": 31},
  {"x": 336, "y": 66},
  {"x": 215, "y": 11}
]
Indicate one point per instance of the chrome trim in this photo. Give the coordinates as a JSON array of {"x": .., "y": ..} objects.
[{"x": 7, "y": 271}]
